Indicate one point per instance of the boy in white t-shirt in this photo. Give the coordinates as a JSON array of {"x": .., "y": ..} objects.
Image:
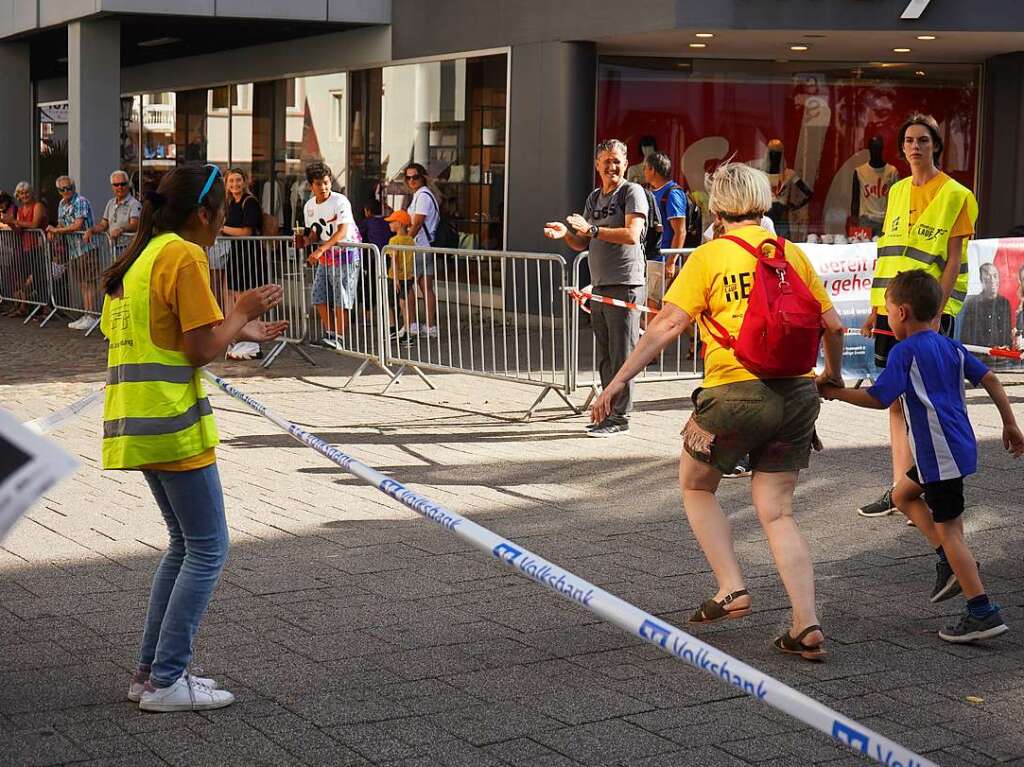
[{"x": 329, "y": 220}]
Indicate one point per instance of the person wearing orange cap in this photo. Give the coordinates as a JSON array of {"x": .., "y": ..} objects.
[{"x": 401, "y": 272}]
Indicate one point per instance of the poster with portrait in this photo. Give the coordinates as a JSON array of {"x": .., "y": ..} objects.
[{"x": 993, "y": 314}]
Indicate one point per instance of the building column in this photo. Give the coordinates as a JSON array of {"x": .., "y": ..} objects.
[
  {"x": 551, "y": 139},
  {"x": 999, "y": 191},
  {"x": 16, "y": 115},
  {"x": 94, "y": 96}
]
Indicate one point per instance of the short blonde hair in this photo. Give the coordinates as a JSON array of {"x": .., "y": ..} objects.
[{"x": 739, "y": 192}]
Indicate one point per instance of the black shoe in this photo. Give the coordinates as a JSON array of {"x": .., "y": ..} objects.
[
  {"x": 971, "y": 629},
  {"x": 946, "y": 584},
  {"x": 742, "y": 469},
  {"x": 883, "y": 507},
  {"x": 608, "y": 429},
  {"x": 394, "y": 335}
]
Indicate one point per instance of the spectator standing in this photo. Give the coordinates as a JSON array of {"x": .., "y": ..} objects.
[
  {"x": 737, "y": 413},
  {"x": 74, "y": 218},
  {"x": 986, "y": 317},
  {"x": 373, "y": 229},
  {"x": 8, "y": 210},
  {"x": 30, "y": 263},
  {"x": 611, "y": 228},
  {"x": 425, "y": 212},
  {"x": 928, "y": 219},
  {"x": 246, "y": 267},
  {"x": 671, "y": 199},
  {"x": 121, "y": 215},
  {"x": 329, "y": 221}
]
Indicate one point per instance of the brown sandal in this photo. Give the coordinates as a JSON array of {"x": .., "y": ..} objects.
[
  {"x": 795, "y": 646},
  {"x": 712, "y": 611}
]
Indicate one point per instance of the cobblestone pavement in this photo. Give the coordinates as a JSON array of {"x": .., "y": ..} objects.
[{"x": 355, "y": 633}]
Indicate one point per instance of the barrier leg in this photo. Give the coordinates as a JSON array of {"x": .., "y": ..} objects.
[
  {"x": 547, "y": 390},
  {"x": 590, "y": 398},
  {"x": 31, "y": 314},
  {"x": 49, "y": 317}
]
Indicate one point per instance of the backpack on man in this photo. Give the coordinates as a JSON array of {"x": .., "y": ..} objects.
[
  {"x": 781, "y": 329},
  {"x": 650, "y": 240}
]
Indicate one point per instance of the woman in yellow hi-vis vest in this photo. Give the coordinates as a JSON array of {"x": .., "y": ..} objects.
[
  {"x": 163, "y": 323},
  {"x": 928, "y": 219}
]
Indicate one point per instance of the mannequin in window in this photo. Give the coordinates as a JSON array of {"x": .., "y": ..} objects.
[
  {"x": 635, "y": 173},
  {"x": 871, "y": 182},
  {"x": 789, "y": 192}
]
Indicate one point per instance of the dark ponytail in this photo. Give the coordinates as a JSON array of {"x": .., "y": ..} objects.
[{"x": 168, "y": 209}]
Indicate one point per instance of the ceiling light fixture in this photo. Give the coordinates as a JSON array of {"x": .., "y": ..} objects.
[
  {"x": 799, "y": 47},
  {"x": 901, "y": 50},
  {"x": 698, "y": 45},
  {"x": 156, "y": 42},
  {"x": 919, "y": 73},
  {"x": 926, "y": 37},
  {"x": 705, "y": 35}
]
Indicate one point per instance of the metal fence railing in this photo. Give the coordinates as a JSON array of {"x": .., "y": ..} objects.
[
  {"x": 680, "y": 361},
  {"x": 493, "y": 314},
  {"x": 24, "y": 272},
  {"x": 77, "y": 262},
  {"x": 238, "y": 264}
]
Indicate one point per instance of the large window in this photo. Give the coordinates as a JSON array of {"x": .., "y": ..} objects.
[
  {"x": 449, "y": 116},
  {"x": 826, "y": 133}
]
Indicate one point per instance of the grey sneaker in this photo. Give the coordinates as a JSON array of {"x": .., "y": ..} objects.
[
  {"x": 608, "y": 429},
  {"x": 971, "y": 629},
  {"x": 883, "y": 507}
]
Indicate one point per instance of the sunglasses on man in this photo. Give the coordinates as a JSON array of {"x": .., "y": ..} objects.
[
  {"x": 63, "y": 189},
  {"x": 119, "y": 183}
]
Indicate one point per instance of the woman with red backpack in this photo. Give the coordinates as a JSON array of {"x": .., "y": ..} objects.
[{"x": 763, "y": 313}]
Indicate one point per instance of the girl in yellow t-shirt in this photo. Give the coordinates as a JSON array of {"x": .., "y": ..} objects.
[
  {"x": 181, "y": 219},
  {"x": 736, "y": 413}
]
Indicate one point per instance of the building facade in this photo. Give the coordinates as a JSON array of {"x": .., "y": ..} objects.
[{"x": 503, "y": 101}]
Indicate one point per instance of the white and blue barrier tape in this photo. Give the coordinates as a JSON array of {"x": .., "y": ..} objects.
[{"x": 608, "y": 606}]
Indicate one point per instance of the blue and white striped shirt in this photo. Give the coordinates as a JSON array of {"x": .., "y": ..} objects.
[{"x": 928, "y": 370}]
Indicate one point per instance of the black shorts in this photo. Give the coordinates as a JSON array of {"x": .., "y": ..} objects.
[
  {"x": 945, "y": 498},
  {"x": 883, "y": 342}
]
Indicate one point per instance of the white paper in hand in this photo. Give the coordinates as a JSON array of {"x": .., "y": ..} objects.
[{"x": 29, "y": 465}]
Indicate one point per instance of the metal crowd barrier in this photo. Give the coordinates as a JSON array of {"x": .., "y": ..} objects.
[
  {"x": 24, "y": 272},
  {"x": 238, "y": 264},
  {"x": 678, "y": 362},
  {"x": 493, "y": 314},
  {"x": 76, "y": 265}
]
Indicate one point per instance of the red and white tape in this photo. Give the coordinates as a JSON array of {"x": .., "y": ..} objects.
[
  {"x": 582, "y": 296},
  {"x": 991, "y": 351}
]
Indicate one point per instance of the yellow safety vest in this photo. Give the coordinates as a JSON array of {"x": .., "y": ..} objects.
[
  {"x": 902, "y": 248},
  {"x": 155, "y": 409}
]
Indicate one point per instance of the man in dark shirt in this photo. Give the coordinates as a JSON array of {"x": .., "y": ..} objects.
[{"x": 986, "y": 317}]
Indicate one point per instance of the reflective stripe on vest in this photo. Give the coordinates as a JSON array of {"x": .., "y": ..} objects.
[
  {"x": 924, "y": 246},
  {"x": 155, "y": 408}
]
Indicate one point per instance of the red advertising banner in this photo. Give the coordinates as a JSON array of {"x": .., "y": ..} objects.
[{"x": 825, "y": 127}]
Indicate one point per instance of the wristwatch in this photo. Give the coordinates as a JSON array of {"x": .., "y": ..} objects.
[{"x": 592, "y": 232}]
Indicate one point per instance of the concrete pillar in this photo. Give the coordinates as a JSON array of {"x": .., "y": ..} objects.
[
  {"x": 94, "y": 96},
  {"x": 1000, "y": 194},
  {"x": 551, "y": 138},
  {"x": 16, "y": 115}
]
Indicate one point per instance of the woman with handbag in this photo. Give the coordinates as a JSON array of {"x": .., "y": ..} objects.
[{"x": 766, "y": 410}]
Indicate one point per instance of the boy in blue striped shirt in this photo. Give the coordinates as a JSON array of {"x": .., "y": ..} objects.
[{"x": 926, "y": 371}]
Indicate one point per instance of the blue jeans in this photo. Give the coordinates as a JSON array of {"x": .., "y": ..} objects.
[{"x": 192, "y": 503}]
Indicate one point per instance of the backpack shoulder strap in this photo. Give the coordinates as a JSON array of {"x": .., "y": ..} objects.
[
  {"x": 755, "y": 251},
  {"x": 722, "y": 336}
]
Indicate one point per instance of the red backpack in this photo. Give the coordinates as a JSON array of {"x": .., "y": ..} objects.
[{"x": 781, "y": 330}]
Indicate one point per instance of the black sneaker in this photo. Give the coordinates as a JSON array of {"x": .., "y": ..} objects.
[
  {"x": 971, "y": 629},
  {"x": 946, "y": 584},
  {"x": 883, "y": 507},
  {"x": 608, "y": 429},
  {"x": 395, "y": 335},
  {"x": 742, "y": 469}
]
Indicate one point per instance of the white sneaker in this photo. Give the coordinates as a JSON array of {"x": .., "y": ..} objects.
[
  {"x": 91, "y": 324},
  {"x": 187, "y": 694},
  {"x": 243, "y": 350},
  {"x": 414, "y": 328},
  {"x": 431, "y": 331},
  {"x": 82, "y": 323},
  {"x": 135, "y": 689}
]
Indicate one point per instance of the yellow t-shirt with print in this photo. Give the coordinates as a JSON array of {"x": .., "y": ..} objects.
[
  {"x": 717, "y": 279},
  {"x": 400, "y": 263},
  {"x": 181, "y": 300}
]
